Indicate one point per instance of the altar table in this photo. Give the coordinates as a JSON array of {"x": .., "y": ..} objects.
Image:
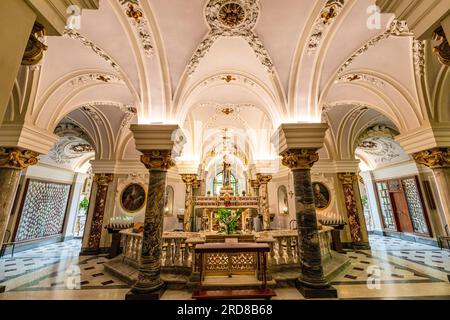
[{"x": 260, "y": 249}]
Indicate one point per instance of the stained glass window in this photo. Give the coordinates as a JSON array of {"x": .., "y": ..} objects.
[
  {"x": 415, "y": 206},
  {"x": 218, "y": 183},
  {"x": 386, "y": 207}
]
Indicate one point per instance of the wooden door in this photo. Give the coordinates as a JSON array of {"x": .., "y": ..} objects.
[{"x": 401, "y": 212}]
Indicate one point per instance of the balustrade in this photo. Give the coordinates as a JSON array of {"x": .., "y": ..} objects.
[{"x": 178, "y": 247}]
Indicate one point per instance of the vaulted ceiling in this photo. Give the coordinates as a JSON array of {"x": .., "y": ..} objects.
[{"x": 237, "y": 64}]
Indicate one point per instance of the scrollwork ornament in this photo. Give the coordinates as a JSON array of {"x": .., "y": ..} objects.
[
  {"x": 158, "y": 160},
  {"x": 15, "y": 158},
  {"x": 434, "y": 158},
  {"x": 300, "y": 158}
]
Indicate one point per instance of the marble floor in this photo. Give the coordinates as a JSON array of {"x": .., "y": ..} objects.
[{"x": 393, "y": 269}]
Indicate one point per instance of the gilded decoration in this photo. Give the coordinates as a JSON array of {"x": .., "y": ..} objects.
[
  {"x": 443, "y": 49},
  {"x": 189, "y": 178},
  {"x": 158, "y": 159},
  {"x": 103, "y": 179},
  {"x": 348, "y": 178},
  {"x": 35, "y": 48},
  {"x": 263, "y": 179},
  {"x": 299, "y": 158},
  {"x": 434, "y": 158},
  {"x": 231, "y": 14},
  {"x": 14, "y": 158}
]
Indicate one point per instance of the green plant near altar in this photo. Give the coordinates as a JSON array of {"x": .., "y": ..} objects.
[{"x": 228, "y": 220}]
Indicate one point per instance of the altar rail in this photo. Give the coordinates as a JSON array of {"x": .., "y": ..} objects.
[{"x": 178, "y": 248}]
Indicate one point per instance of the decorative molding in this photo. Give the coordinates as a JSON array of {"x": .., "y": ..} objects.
[
  {"x": 159, "y": 160},
  {"x": 377, "y": 131},
  {"x": 419, "y": 57},
  {"x": 232, "y": 18},
  {"x": 129, "y": 114},
  {"x": 327, "y": 16},
  {"x": 360, "y": 77},
  {"x": 299, "y": 158},
  {"x": 226, "y": 110},
  {"x": 396, "y": 28},
  {"x": 135, "y": 13},
  {"x": 68, "y": 148},
  {"x": 97, "y": 50},
  {"x": 434, "y": 158},
  {"x": 95, "y": 77},
  {"x": 15, "y": 158}
]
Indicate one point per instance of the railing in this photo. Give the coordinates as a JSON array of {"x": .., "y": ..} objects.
[
  {"x": 178, "y": 248},
  {"x": 284, "y": 246}
]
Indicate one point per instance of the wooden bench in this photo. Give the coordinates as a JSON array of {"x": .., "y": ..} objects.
[{"x": 266, "y": 294}]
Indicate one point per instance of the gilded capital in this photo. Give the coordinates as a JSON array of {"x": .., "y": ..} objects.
[
  {"x": 103, "y": 179},
  {"x": 189, "y": 179},
  {"x": 347, "y": 178},
  {"x": 255, "y": 183},
  {"x": 299, "y": 158},
  {"x": 434, "y": 158},
  {"x": 158, "y": 160},
  {"x": 15, "y": 158},
  {"x": 34, "y": 51},
  {"x": 263, "y": 179}
]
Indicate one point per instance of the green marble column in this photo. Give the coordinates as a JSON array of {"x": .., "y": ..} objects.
[
  {"x": 312, "y": 283},
  {"x": 150, "y": 285},
  {"x": 12, "y": 161}
]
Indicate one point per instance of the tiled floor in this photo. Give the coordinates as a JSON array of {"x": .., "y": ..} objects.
[{"x": 392, "y": 269}]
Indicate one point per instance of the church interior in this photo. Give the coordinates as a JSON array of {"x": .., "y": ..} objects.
[{"x": 224, "y": 149}]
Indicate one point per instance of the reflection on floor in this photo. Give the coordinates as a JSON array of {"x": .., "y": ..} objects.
[{"x": 392, "y": 269}]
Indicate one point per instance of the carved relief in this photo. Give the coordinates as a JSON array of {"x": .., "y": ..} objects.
[
  {"x": 434, "y": 158},
  {"x": 35, "y": 48},
  {"x": 134, "y": 11},
  {"x": 396, "y": 28},
  {"x": 235, "y": 18},
  {"x": 160, "y": 160},
  {"x": 326, "y": 18},
  {"x": 347, "y": 180},
  {"x": 443, "y": 49},
  {"x": 15, "y": 158},
  {"x": 300, "y": 158}
]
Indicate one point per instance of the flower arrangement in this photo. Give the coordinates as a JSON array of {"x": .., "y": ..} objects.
[{"x": 228, "y": 220}]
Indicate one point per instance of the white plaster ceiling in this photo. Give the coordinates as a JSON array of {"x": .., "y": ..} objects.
[{"x": 158, "y": 86}]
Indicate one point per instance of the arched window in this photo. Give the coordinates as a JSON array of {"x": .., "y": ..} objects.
[{"x": 218, "y": 183}]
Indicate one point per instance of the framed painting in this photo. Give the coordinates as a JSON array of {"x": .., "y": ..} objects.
[
  {"x": 322, "y": 195},
  {"x": 133, "y": 198}
]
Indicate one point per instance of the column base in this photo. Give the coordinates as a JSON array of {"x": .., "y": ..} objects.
[
  {"x": 361, "y": 246},
  {"x": 2, "y": 289},
  {"x": 89, "y": 251},
  {"x": 153, "y": 295},
  {"x": 328, "y": 292}
]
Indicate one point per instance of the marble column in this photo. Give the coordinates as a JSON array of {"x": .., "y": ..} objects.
[
  {"x": 189, "y": 180},
  {"x": 102, "y": 180},
  {"x": 438, "y": 160},
  {"x": 263, "y": 181},
  {"x": 312, "y": 282},
  {"x": 355, "y": 215},
  {"x": 12, "y": 162},
  {"x": 149, "y": 284}
]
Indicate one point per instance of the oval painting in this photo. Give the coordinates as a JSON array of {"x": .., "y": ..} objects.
[
  {"x": 133, "y": 198},
  {"x": 321, "y": 195}
]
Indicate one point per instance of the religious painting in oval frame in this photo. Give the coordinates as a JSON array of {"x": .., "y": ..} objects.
[
  {"x": 133, "y": 198},
  {"x": 322, "y": 196}
]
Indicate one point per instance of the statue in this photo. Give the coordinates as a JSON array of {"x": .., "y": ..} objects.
[{"x": 226, "y": 172}]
